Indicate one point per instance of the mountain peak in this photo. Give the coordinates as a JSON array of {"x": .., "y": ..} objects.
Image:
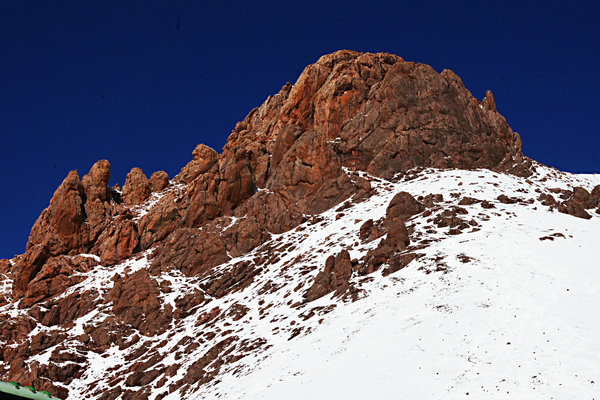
[
  {"x": 315, "y": 192},
  {"x": 385, "y": 115}
]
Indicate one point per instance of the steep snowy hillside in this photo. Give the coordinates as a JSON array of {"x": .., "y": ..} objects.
[
  {"x": 506, "y": 311},
  {"x": 372, "y": 231}
]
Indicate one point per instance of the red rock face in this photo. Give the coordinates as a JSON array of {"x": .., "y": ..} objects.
[
  {"x": 118, "y": 241},
  {"x": 383, "y": 115},
  {"x": 203, "y": 159},
  {"x": 54, "y": 277},
  {"x": 78, "y": 213},
  {"x": 135, "y": 302}
]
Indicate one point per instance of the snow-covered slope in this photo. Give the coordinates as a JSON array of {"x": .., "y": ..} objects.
[
  {"x": 505, "y": 309},
  {"x": 509, "y": 317}
]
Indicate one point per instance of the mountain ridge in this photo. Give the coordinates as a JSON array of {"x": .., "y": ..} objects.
[{"x": 351, "y": 123}]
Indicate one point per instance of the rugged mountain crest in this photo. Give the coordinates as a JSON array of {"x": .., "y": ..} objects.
[
  {"x": 351, "y": 120},
  {"x": 365, "y": 112}
]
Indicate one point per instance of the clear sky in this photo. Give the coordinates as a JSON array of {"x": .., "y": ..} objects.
[{"x": 141, "y": 82}]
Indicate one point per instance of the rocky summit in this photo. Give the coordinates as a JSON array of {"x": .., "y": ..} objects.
[{"x": 371, "y": 231}]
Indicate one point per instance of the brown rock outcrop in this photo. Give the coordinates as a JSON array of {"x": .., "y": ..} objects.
[
  {"x": 369, "y": 231},
  {"x": 161, "y": 220},
  {"x": 578, "y": 201},
  {"x": 219, "y": 192},
  {"x": 136, "y": 188},
  {"x": 403, "y": 206},
  {"x": 158, "y": 181},
  {"x": 5, "y": 266},
  {"x": 54, "y": 277},
  {"x": 488, "y": 101},
  {"x": 95, "y": 183},
  {"x": 586, "y": 199},
  {"x": 271, "y": 211},
  {"x": 373, "y": 112},
  {"x": 203, "y": 159},
  {"x": 397, "y": 262},
  {"x": 64, "y": 310},
  {"x": 397, "y": 236},
  {"x": 97, "y": 205},
  {"x": 78, "y": 212},
  {"x": 27, "y": 267},
  {"x": 192, "y": 251},
  {"x": 59, "y": 229},
  {"x": 335, "y": 277},
  {"x": 375, "y": 258},
  {"x": 311, "y": 174},
  {"x": 547, "y": 199},
  {"x": 236, "y": 278},
  {"x": 596, "y": 192}
]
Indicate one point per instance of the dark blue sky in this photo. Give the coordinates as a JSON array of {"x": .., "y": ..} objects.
[{"x": 141, "y": 82}]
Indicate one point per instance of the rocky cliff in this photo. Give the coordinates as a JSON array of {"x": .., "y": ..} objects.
[{"x": 349, "y": 123}]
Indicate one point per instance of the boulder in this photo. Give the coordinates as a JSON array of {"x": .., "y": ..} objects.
[
  {"x": 403, "y": 206},
  {"x": 397, "y": 236},
  {"x": 158, "y": 181},
  {"x": 334, "y": 277}
]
